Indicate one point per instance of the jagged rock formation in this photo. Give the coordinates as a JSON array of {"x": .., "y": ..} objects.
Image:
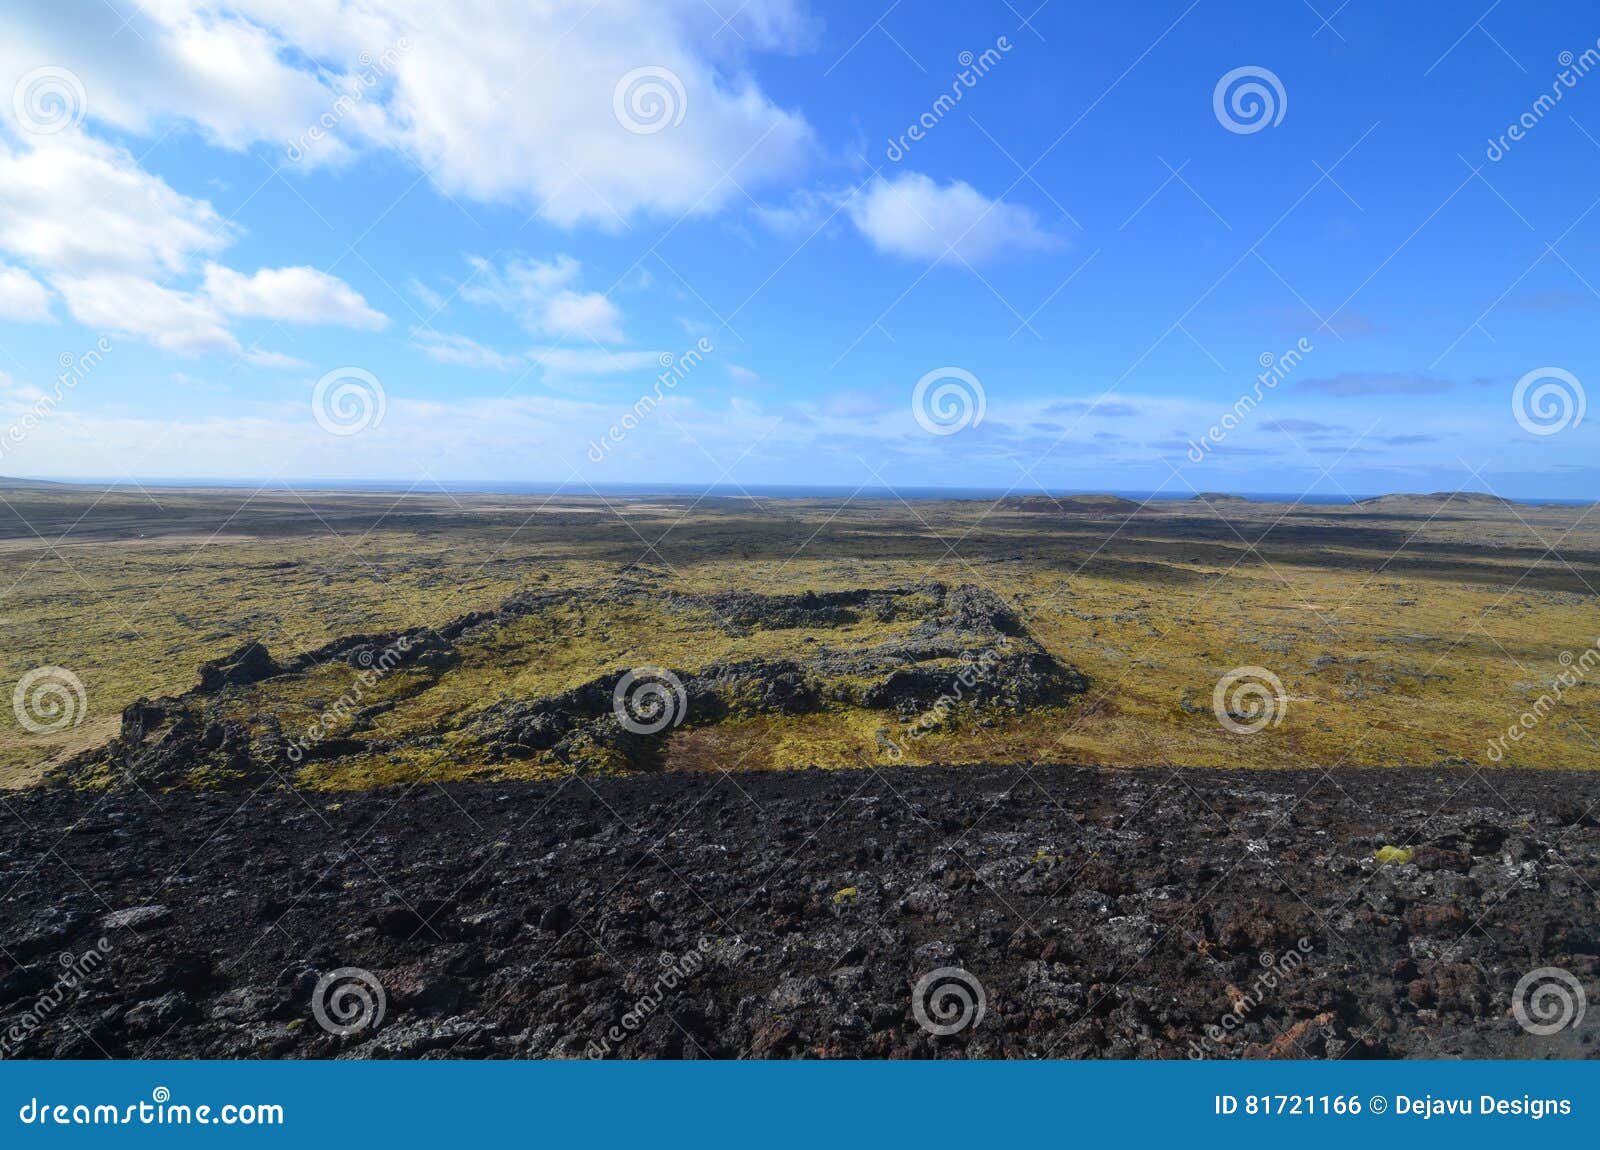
[{"x": 965, "y": 648}]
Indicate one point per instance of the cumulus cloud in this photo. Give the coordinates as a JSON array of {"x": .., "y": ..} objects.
[
  {"x": 912, "y": 215},
  {"x": 73, "y": 205},
  {"x": 500, "y": 102},
  {"x": 509, "y": 106},
  {"x": 175, "y": 320},
  {"x": 22, "y": 297},
  {"x": 502, "y": 106},
  {"x": 292, "y": 295},
  {"x": 224, "y": 68},
  {"x": 119, "y": 245}
]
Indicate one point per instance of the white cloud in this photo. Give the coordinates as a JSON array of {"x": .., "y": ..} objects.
[
  {"x": 119, "y": 244},
  {"x": 147, "y": 64},
  {"x": 545, "y": 298},
  {"x": 175, "y": 320},
  {"x": 257, "y": 358},
  {"x": 742, "y": 374},
  {"x": 73, "y": 205},
  {"x": 462, "y": 351},
  {"x": 912, "y": 215},
  {"x": 102, "y": 231},
  {"x": 501, "y": 102},
  {"x": 594, "y": 361},
  {"x": 563, "y": 362},
  {"x": 425, "y": 295},
  {"x": 22, "y": 297},
  {"x": 293, "y": 295},
  {"x": 805, "y": 210},
  {"x": 509, "y": 105}
]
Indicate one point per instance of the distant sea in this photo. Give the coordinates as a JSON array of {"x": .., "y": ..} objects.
[{"x": 727, "y": 490}]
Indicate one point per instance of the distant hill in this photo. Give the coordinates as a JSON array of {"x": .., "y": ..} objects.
[
  {"x": 1217, "y": 497},
  {"x": 11, "y": 484},
  {"x": 1466, "y": 498}
]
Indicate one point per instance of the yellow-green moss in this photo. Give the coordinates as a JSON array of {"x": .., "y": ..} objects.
[{"x": 1405, "y": 664}]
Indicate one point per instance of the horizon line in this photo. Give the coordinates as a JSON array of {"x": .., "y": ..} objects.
[{"x": 956, "y": 492}]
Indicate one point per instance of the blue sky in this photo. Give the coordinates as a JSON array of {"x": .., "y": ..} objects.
[{"x": 487, "y": 232}]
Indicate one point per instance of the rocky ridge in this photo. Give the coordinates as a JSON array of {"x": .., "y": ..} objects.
[{"x": 966, "y": 648}]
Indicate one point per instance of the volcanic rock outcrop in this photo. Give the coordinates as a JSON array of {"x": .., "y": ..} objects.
[{"x": 965, "y": 651}]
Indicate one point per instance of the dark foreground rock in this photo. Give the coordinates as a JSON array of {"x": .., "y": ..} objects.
[{"x": 1152, "y": 913}]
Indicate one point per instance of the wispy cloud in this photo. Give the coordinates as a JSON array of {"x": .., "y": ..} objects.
[
  {"x": 1351, "y": 383},
  {"x": 461, "y": 351},
  {"x": 546, "y": 297},
  {"x": 1105, "y": 408}
]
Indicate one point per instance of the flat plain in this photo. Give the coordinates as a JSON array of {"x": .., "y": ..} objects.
[{"x": 1409, "y": 631}]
